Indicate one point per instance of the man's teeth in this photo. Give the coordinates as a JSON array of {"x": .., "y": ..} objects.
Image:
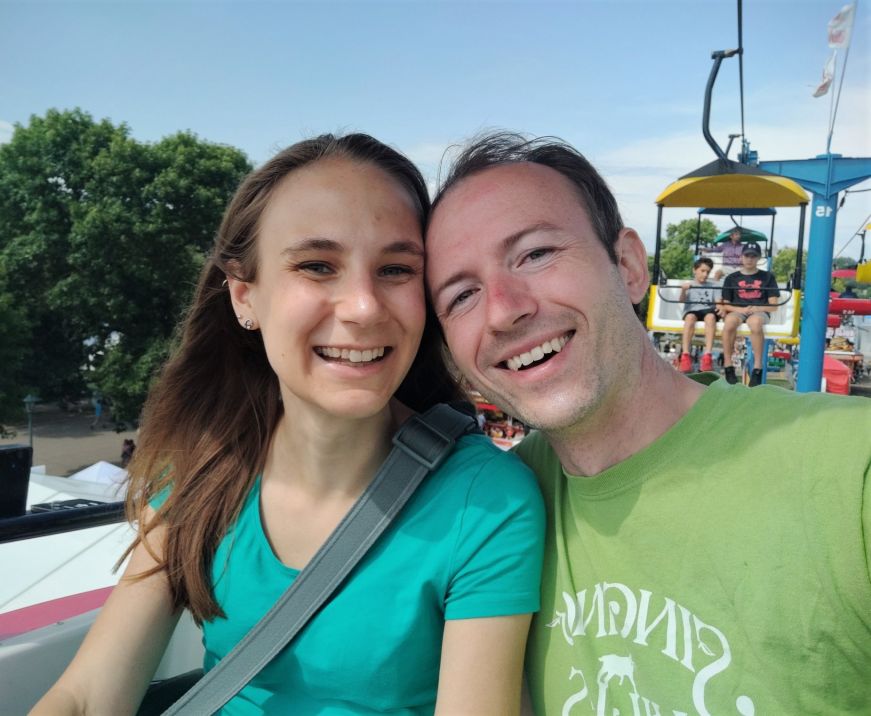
[
  {"x": 552, "y": 346},
  {"x": 350, "y": 354}
]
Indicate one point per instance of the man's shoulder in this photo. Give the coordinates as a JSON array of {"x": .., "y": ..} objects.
[
  {"x": 537, "y": 453},
  {"x": 803, "y": 412}
]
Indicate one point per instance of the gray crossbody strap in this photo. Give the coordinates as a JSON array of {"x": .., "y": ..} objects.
[{"x": 419, "y": 447}]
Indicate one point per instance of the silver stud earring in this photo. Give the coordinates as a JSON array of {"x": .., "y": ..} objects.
[{"x": 249, "y": 324}]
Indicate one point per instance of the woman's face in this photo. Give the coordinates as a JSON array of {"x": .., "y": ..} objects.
[{"x": 339, "y": 294}]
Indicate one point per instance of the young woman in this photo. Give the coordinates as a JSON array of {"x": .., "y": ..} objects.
[{"x": 308, "y": 343}]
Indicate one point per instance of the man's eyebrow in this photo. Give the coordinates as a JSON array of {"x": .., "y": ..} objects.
[{"x": 505, "y": 244}]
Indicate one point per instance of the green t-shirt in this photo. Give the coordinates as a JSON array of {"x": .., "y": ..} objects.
[
  {"x": 724, "y": 569},
  {"x": 468, "y": 544}
]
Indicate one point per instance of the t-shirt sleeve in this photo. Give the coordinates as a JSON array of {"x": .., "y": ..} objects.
[
  {"x": 728, "y": 291},
  {"x": 496, "y": 564},
  {"x": 772, "y": 288},
  {"x": 866, "y": 519},
  {"x": 156, "y": 502}
]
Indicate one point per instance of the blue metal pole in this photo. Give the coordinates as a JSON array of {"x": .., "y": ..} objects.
[
  {"x": 818, "y": 281},
  {"x": 766, "y": 353},
  {"x": 749, "y": 359}
]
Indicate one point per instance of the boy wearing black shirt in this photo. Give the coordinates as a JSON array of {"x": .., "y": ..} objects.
[{"x": 749, "y": 296}]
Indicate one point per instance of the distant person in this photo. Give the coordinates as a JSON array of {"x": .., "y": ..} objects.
[
  {"x": 309, "y": 342},
  {"x": 749, "y": 296},
  {"x": 730, "y": 250},
  {"x": 848, "y": 293},
  {"x": 127, "y": 450},
  {"x": 699, "y": 297},
  {"x": 98, "y": 412}
]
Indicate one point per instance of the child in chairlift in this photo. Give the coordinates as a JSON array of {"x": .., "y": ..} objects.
[{"x": 699, "y": 301}]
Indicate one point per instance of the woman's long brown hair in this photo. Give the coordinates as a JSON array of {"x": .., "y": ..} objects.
[{"x": 208, "y": 420}]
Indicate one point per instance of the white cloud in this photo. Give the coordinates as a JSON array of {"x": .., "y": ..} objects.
[{"x": 638, "y": 171}]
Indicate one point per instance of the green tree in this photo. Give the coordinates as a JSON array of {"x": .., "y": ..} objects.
[
  {"x": 14, "y": 338},
  {"x": 783, "y": 264},
  {"x": 678, "y": 246},
  {"x": 44, "y": 173},
  {"x": 104, "y": 237}
]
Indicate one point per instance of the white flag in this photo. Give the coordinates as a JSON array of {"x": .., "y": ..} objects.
[
  {"x": 840, "y": 27},
  {"x": 828, "y": 76}
]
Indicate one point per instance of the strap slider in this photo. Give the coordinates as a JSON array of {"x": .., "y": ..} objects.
[{"x": 423, "y": 442}]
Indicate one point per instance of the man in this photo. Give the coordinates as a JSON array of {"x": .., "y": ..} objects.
[
  {"x": 706, "y": 547},
  {"x": 749, "y": 296},
  {"x": 729, "y": 250}
]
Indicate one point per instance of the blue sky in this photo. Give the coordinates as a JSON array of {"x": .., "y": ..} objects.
[{"x": 623, "y": 81}]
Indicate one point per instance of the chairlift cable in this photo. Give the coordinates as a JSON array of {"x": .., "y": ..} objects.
[
  {"x": 859, "y": 232},
  {"x": 741, "y": 65}
]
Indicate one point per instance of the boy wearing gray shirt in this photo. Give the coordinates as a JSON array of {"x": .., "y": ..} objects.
[{"x": 699, "y": 297}]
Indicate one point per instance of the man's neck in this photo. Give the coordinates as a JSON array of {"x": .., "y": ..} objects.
[{"x": 642, "y": 408}]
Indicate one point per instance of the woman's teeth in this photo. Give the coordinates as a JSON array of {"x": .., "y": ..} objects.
[{"x": 350, "y": 354}]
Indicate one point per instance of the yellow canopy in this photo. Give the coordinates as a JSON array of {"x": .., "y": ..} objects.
[
  {"x": 728, "y": 191},
  {"x": 728, "y": 185},
  {"x": 863, "y": 272}
]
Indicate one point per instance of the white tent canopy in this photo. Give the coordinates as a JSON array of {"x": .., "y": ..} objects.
[{"x": 102, "y": 472}]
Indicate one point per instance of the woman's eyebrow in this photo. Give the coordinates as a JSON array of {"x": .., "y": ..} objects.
[
  {"x": 404, "y": 247},
  {"x": 312, "y": 244}
]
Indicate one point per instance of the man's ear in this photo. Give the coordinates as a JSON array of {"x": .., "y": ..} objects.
[{"x": 632, "y": 263}]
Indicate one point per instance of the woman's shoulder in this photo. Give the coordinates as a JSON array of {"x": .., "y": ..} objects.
[{"x": 478, "y": 466}]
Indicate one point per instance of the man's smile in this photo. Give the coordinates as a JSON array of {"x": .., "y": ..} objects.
[{"x": 537, "y": 354}]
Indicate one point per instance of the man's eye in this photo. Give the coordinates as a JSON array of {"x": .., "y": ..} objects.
[
  {"x": 537, "y": 254},
  {"x": 461, "y": 298}
]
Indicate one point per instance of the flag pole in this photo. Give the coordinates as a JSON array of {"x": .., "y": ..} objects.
[{"x": 843, "y": 73}]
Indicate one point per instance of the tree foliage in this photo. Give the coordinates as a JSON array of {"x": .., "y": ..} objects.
[
  {"x": 101, "y": 239},
  {"x": 678, "y": 246},
  {"x": 783, "y": 263}
]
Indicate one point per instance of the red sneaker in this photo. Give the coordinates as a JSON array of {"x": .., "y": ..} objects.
[
  {"x": 707, "y": 362},
  {"x": 686, "y": 363}
]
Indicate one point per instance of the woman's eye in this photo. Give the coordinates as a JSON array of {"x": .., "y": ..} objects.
[
  {"x": 397, "y": 270},
  {"x": 318, "y": 268}
]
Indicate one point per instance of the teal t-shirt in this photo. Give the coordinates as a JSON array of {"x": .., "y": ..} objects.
[
  {"x": 723, "y": 569},
  {"x": 468, "y": 544}
]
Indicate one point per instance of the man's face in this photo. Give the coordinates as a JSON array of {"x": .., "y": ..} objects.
[{"x": 536, "y": 314}]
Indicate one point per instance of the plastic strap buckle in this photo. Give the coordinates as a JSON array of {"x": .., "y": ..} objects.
[{"x": 419, "y": 439}]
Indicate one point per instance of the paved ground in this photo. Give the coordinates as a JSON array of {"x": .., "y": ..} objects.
[{"x": 65, "y": 443}]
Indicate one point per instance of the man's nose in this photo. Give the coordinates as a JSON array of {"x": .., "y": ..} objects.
[{"x": 509, "y": 301}]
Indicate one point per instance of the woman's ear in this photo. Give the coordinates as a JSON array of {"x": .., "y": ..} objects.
[
  {"x": 240, "y": 296},
  {"x": 632, "y": 263}
]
